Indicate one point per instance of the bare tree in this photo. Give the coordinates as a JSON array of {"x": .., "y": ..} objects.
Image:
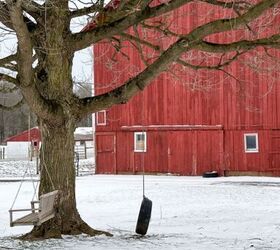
[
  {"x": 41, "y": 65},
  {"x": 15, "y": 115},
  {"x": 84, "y": 89}
]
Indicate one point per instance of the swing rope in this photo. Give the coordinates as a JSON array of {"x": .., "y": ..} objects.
[
  {"x": 146, "y": 204},
  {"x": 142, "y": 158},
  {"x": 14, "y": 201},
  {"x": 143, "y": 177},
  {"x": 31, "y": 153},
  {"x": 34, "y": 186},
  {"x": 28, "y": 168},
  {"x": 29, "y": 139}
]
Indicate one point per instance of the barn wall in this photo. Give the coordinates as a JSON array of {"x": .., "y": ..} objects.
[
  {"x": 17, "y": 150},
  {"x": 177, "y": 152},
  {"x": 266, "y": 160},
  {"x": 190, "y": 152},
  {"x": 244, "y": 98},
  {"x": 252, "y": 105},
  {"x": 241, "y": 100}
]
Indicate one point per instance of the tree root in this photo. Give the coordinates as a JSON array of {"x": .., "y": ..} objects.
[
  {"x": 48, "y": 231},
  {"x": 85, "y": 228}
]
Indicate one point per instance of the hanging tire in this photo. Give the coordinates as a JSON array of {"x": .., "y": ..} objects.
[
  {"x": 144, "y": 216},
  {"x": 210, "y": 174}
]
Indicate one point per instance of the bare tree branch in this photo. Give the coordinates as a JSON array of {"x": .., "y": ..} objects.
[
  {"x": 5, "y": 17},
  {"x": 7, "y": 60},
  {"x": 32, "y": 8},
  {"x": 218, "y": 66},
  {"x": 5, "y": 77},
  {"x": 123, "y": 93},
  {"x": 236, "y": 5},
  {"x": 84, "y": 39},
  {"x": 130, "y": 37},
  {"x": 221, "y": 25},
  {"x": 25, "y": 49},
  {"x": 272, "y": 42},
  {"x": 86, "y": 10}
]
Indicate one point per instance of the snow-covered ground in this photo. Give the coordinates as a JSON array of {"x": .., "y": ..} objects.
[
  {"x": 188, "y": 213},
  {"x": 24, "y": 168}
]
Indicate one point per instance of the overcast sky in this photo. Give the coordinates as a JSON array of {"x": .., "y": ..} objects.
[{"x": 82, "y": 65}]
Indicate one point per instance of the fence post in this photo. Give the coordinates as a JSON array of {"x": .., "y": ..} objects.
[{"x": 85, "y": 150}]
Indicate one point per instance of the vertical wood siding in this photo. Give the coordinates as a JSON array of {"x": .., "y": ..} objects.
[{"x": 249, "y": 103}]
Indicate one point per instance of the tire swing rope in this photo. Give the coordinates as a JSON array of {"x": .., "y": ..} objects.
[{"x": 146, "y": 205}]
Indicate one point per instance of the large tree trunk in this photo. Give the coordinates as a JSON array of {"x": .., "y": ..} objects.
[
  {"x": 54, "y": 79},
  {"x": 58, "y": 173}
]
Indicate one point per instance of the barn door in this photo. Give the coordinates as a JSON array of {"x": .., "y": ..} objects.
[
  {"x": 105, "y": 153},
  {"x": 194, "y": 152},
  {"x": 181, "y": 155},
  {"x": 274, "y": 152}
]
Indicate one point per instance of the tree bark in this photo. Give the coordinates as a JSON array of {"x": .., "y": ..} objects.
[{"x": 58, "y": 173}]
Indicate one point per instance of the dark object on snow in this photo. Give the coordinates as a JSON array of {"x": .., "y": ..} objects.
[
  {"x": 210, "y": 174},
  {"x": 144, "y": 216}
]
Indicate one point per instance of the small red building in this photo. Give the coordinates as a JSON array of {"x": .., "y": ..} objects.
[
  {"x": 23, "y": 145},
  {"x": 227, "y": 122}
]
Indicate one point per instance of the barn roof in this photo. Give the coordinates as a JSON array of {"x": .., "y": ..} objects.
[
  {"x": 27, "y": 135},
  {"x": 80, "y": 134},
  {"x": 112, "y": 5}
]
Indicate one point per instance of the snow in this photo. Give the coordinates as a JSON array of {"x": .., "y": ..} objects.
[
  {"x": 188, "y": 213},
  {"x": 25, "y": 168},
  {"x": 83, "y": 131}
]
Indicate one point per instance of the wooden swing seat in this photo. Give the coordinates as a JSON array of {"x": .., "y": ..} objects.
[{"x": 45, "y": 212}]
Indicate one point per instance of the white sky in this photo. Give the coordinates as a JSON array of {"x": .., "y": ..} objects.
[{"x": 82, "y": 64}]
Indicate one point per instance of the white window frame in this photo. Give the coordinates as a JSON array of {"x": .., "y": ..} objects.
[
  {"x": 135, "y": 142},
  {"x": 253, "y": 150},
  {"x": 105, "y": 118}
]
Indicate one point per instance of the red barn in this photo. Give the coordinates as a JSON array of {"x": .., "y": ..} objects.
[
  {"x": 23, "y": 145},
  {"x": 189, "y": 122}
]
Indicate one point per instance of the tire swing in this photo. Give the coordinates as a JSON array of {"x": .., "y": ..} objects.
[{"x": 145, "y": 212}]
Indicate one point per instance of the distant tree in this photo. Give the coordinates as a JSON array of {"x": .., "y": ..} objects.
[
  {"x": 15, "y": 115},
  {"x": 41, "y": 67},
  {"x": 82, "y": 90}
]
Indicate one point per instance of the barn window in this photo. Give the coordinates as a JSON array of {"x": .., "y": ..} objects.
[
  {"x": 251, "y": 143},
  {"x": 101, "y": 118},
  {"x": 140, "y": 142}
]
